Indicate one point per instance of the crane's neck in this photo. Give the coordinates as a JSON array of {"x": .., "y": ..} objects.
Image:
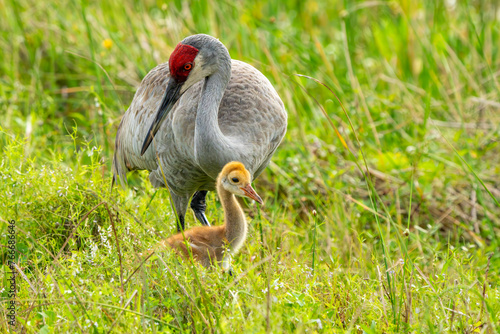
[
  {"x": 212, "y": 148},
  {"x": 234, "y": 220}
]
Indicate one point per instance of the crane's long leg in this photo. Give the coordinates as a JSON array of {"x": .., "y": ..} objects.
[
  {"x": 180, "y": 204},
  {"x": 199, "y": 205}
]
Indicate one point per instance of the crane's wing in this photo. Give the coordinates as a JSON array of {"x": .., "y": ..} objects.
[
  {"x": 252, "y": 113},
  {"x": 135, "y": 124}
]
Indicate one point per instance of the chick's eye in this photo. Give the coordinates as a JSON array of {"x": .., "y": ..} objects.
[
  {"x": 235, "y": 180},
  {"x": 188, "y": 66}
]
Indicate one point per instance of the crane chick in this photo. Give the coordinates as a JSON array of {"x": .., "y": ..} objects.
[{"x": 217, "y": 244}]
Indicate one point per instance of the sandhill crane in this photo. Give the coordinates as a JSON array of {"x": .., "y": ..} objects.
[
  {"x": 203, "y": 110},
  {"x": 217, "y": 244}
]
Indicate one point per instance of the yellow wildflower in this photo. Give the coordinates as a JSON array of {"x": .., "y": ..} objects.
[{"x": 107, "y": 43}]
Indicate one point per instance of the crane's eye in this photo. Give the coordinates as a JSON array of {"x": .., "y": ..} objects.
[
  {"x": 188, "y": 66},
  {"x": 235, "y": 180}
]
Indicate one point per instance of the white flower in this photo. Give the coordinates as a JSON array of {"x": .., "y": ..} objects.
[{"x": 318, "y": 321}]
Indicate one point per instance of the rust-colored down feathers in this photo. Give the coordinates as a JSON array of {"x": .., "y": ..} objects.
[{"x": 207, "y": 244}]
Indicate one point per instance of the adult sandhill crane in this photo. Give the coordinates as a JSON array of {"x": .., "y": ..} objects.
[
  {"x": 194, "y": 114},
  {"x": 217, "y": 244}
]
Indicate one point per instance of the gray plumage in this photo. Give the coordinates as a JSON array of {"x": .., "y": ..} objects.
[{"x": 227, "y": 111}]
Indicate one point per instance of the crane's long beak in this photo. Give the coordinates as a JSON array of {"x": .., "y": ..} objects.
[
  {"x": 172, "y": 94},
  {"x": 250, "y": 193}
]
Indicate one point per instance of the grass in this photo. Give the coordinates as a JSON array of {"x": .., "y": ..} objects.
[{"x": 382, "y": 217}]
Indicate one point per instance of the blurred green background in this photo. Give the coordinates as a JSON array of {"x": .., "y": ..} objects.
[{"x": 412, "y": 175}]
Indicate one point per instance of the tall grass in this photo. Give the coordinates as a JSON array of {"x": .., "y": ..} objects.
[{"x": 401, "y": 171}]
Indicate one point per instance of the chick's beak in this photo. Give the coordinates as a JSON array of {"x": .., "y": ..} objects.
[{"x": 250, "y": 193}]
